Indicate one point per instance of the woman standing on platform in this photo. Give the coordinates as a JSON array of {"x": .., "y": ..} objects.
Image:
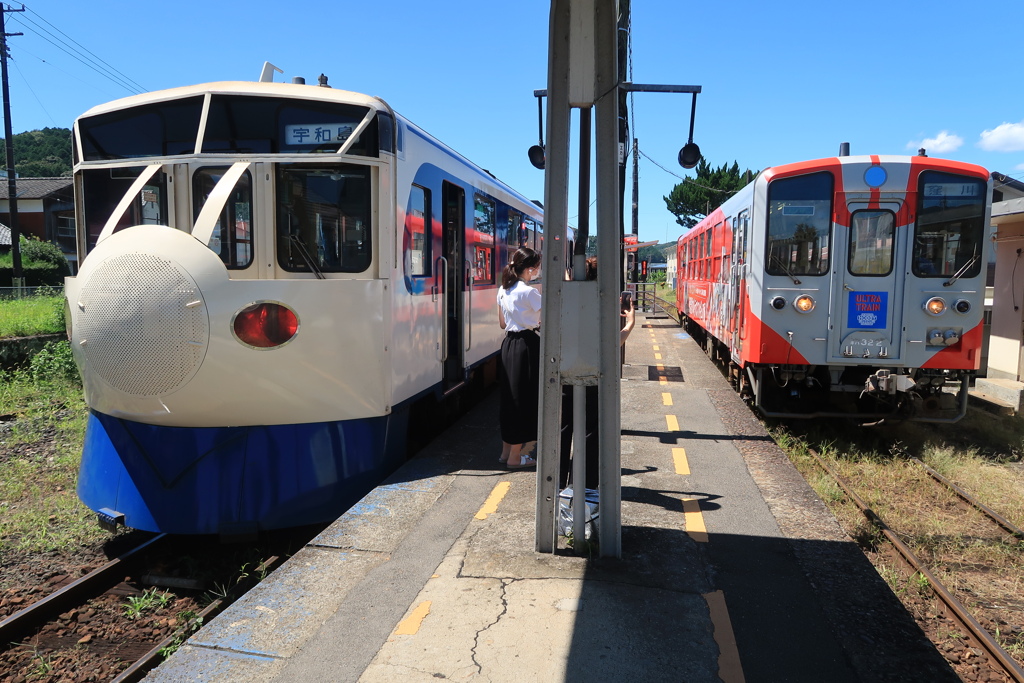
[{"x": 519, "y": 370}]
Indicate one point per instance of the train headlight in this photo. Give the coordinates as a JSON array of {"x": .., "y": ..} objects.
[
  {"x": 265, "y": 325},
  {"x": 935, "y": 306},
  {"x": 778, "y": 303},
  {"x": 962, "y": 306},
  {"x": 804, "y": 303}
]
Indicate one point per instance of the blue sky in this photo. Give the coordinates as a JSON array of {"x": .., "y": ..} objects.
[{"x": 782, "y": 82}]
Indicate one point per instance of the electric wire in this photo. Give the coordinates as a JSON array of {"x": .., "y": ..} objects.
[
  {"x": 78, "y": 52},
  {"x": 28, "y": 85}
]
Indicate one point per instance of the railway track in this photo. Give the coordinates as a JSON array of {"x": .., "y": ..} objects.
[
  {"x": 979, "y": 637},
  {"x": 123, "y": 618}
]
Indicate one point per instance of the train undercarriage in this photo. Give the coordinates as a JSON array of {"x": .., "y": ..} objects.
[{"x": 861, "y": 393}]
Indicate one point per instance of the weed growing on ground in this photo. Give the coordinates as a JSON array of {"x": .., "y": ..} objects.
[
  {"x": 41, "y": 437},
  {"x": 187, "y": 624},
  {"x": 150, "y": 600}
]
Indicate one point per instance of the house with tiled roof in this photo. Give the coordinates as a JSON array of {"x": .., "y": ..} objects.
[{"x": 46, "y": 209}]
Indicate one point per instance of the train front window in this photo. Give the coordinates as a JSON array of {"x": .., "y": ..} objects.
[
  {"x": 950, "y": 225},
  {"x": 871, "y": 242},
  {"x": 102, "y": 190},
  {"x": 161, "y": 129},
  {"x": 799, "y": 225},
  {"x": 323, "y": 218},
  {"x": 232, "y": 234},
  {"x": 246, "y": 125}
]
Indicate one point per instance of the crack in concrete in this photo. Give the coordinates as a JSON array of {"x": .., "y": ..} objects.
[{"x": 505, "y": 583}]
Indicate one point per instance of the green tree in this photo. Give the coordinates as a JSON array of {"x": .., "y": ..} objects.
[
  {"x": 693, "y": 199},
  {"x": 43, "y": 153},
  {"x": 652, "y": 254}
]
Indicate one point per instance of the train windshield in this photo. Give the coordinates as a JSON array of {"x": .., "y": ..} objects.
[
  {"x": 232, "y": 233},
  {"x": 799, "y": 225},
  {"x": 269, "y": 125},
  {"x": 153, "y": 130},
  {"x": 101, "y": 191},
  {"x": 323, "y": 218},
  {"x": 950, "y": 225}
]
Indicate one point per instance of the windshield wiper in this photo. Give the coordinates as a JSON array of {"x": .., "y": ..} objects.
[
  {"x": 963, "y": 269},
  {"x": 306, "y": 257},
  {"x": 785, "y": 269}
]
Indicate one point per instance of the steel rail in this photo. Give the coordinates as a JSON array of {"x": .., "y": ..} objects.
[
  {"x": 973, "y": 627},
  {"x": 14, "y": 627},
  {"x": 149, "y": 661},
  {"x": 971, "y": 500}
]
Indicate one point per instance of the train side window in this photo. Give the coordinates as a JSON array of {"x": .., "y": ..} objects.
[
  {"x": 744, "y": 227},
  {"x": 950, "y": 225},
  {"x": 483, "y": 240},
  {"x": 418, "y": 232},
  {"x": 799, "y": 225},
  {"x": 323, "y": 218},
  {"x": 871, "y": 242},
  {"x": 516, "y": 232},
  {"x": 232, "y": 234}
]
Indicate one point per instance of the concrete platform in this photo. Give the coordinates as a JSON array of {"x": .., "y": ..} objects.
[{"x": 732, "y": 569}]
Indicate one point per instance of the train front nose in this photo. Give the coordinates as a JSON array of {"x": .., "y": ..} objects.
[{"x": 140, "y": 323}]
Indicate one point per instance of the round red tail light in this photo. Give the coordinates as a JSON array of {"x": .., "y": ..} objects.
[{"x": 265, "y": 325}]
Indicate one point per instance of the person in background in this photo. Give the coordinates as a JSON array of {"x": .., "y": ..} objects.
[
  {"x": 519, "y": 370},
  {"x": 628, "y": 319}
]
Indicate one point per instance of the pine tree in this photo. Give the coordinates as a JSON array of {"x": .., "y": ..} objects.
[{"x": 693, "y": 199}]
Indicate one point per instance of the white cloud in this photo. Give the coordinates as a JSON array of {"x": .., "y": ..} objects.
[
  {"x": 940, "y": 144},
  {"x": 1007, "y": 137},
  {"x": 1019, "y": 167}
]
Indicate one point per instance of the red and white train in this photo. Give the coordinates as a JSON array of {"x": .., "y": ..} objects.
[{"x": 851, "y": 286}]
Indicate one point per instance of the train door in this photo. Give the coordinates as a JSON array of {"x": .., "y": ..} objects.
[
  {"x": 451, "y": 266},
  {"x": 868, "y": 319},
  {"x": 738, "y": 276}
]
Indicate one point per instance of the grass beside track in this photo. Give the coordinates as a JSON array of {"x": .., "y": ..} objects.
[
  {"x": 969, "y": 554},
  {"x": 42, "y": 427}
]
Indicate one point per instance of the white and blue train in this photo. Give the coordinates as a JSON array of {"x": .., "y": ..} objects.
[{"x": 273, "y": 275}]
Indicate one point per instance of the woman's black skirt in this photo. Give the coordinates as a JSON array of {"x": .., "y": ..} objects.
[{"x": 518, "y": 377}]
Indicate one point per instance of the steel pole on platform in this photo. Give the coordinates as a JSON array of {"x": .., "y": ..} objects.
[
  {"x": 609, "y": 251},
  {"x": 556, "y": 221},
  {"x": 579, "y": 345}
]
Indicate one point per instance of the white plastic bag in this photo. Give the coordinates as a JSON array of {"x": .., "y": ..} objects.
[{"x": 565, "y": 512}]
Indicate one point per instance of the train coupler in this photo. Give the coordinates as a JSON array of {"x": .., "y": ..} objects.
[{"x": 885, "y": 382}]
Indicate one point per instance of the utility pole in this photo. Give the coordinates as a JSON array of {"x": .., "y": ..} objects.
[{"x": 12, "y": 190}]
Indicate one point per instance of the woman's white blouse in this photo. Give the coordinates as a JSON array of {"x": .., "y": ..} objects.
[{"x": 521, "y": 307}]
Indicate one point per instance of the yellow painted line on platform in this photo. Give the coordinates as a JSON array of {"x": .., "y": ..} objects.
[
  {"x": 694, "y": 520},
  {"x": 730, "y": 670},
  {"x": 657, "y": 348},
  {"x": 657, "y": 356},
  {"x": 666, "y": 398},
  {"x": 679, "y": 458},
  {"x": 491, "y": 504},
  {"x": 411, "y": 624},
  {"x": 672, "y": 422}
]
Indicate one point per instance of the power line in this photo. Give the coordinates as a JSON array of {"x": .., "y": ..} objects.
[{"x": 79, "y": 52}]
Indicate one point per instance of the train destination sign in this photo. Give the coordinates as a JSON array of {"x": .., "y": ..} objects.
[
  {"x": 951, "y": 189},
  {"x": 316, "y": 133}
]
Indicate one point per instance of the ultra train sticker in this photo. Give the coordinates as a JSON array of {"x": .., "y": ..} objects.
[{"x": 867, "y": 310}]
